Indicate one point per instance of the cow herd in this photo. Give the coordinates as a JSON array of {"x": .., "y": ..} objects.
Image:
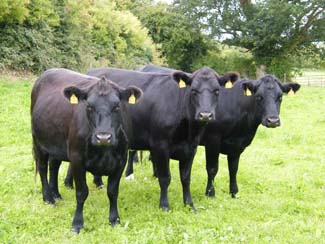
[{"x": 93, "y": 120}]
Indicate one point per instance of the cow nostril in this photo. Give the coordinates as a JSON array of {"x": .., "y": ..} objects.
[
  {"x": 205, "y": 116},
  {"x": 103, "y": 136},
  {"x": 273, "y": 120}
]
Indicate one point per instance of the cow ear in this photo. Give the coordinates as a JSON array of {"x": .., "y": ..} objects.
[
  {"x": 182, "y": 79},
  {"x": 74, "y": 94},
  {"x": 290, "y": 88},
  {"x": 228, "y": 79},
  {"x": 131, "y": 94},
  {"x": 249, "y": 88}
]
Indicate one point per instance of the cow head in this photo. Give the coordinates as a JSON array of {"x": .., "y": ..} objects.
[
  {"x": 104, "y": 108},
  {"x": 205, "y": 85},
  {"x": 267, "y": 93}
]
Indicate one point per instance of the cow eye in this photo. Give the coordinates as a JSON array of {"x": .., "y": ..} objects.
[
  {"x": 280, "y": 98},
  {"x": 116, "y": 108},
  {"x": 216, "y": 91}
]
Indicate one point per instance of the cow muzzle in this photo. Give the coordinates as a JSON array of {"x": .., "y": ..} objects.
[
  {"x": 205, "y": 116},
  {"x": 103, "y": 139},
  {"x": 272, "y": 122}
]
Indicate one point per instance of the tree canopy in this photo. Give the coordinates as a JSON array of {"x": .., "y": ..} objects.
[{"x": 276, "y": 32}]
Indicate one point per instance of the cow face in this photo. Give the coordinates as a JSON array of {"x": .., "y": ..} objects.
[
  {"x": 267, "y": 93},
  {"x": 103, "y": 105},
  {"x": 205, "y": 85}
]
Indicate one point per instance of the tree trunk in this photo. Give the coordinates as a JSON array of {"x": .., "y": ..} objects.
[{"x": 260, "y": 71}]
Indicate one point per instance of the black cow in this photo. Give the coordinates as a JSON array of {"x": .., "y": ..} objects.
[
  {"x": 168, "y": 120},
  {"x": 158, "y": 69},
  {"x": 91, "y": 132},
  {"x": 241, "y": 110}
]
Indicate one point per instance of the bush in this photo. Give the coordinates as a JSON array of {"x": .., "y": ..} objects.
[{"x": 79, "y": 35}]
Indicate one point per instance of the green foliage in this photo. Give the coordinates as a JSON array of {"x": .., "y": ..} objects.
[
  {"x": 223, "y": 58},
  {"x": 74, "y": 34},
  {"x": 24, "y": 48},
  {"x": 42, "y": 11},
  {"x": 120, "y": 37},
  {"x": 281, "y": 181},
  {"x": 276, "y": 32},
  {"x": 182, "y": 43},
  {"x": 13, "y": 11}
]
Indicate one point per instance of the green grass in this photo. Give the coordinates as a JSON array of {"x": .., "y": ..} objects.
[{"x": 281, "y": 182}]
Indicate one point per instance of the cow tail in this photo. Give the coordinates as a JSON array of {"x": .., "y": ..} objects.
[
  {"x": 36, "y": 166},
  {"x": 37, "y": 154}
]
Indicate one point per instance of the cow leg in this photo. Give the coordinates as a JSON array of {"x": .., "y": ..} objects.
[
  {"x": 79, "y": 175},
  {"x": 160, "y": 158},
  {"x": 68, "y": 181},
  {"x": 98, "y": 181},
  {"x": 185, "y": 167},
  {"x": 135, "y": 157},
  {"x": 233, "y": 161},
  {"x": 41, "y": 159},
  {"x": 54, "y": 171},
  {"x": 140, "y": 156},
  {"x": 129, "y": 168},
  {"x": 112, "y": 193},
  {"x": 154, "y": 169},
  {"x": 212, "y": 166}
]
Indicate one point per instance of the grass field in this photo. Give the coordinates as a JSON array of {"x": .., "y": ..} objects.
[{"x": 281, "y": 182}]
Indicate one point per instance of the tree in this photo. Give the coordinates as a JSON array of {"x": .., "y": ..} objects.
[
  {"x": 275, "y": 32},
  {"x": 182, "y": 42}
]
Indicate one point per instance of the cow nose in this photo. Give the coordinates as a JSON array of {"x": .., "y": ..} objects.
[
  {"x": 103, "y": 138},
  {"x": 205, "y": 116},
  {"x": 273, "y": 121}
]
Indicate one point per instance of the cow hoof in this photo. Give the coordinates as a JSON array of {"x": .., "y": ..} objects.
[
  {"x": 56, "y": 195},
  {"x": 76, "y": 230},
  {"x": 130, "y": 177},
  {"x": 50, "y": 201},
  {"x": 194, "y": 209},
  {"x": 233, "y": 195},
  {"x": 164, "y": 208},
  {"x": 100, "y": 186},
  {"x": 114, "y": 223},
  {"x": 210, "y": 193},
  {"x": 68, "y": 185}
]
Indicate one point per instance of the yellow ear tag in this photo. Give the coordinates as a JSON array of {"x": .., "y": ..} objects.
[
  {"x": 248, "y": 92},
  {"x": 291, "y": 93},
  {"x": 74, "y": 99},
  {"x": 228, "y": 84},
  {"x": 181, "y": 84},
  {"x": 132, "y": 99}
]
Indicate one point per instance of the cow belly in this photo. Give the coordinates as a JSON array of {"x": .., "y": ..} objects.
[
  {"x": 234, "y": 145},
  {"x": 56, "y": 152},
  {"x": 183, "y": 151}
]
